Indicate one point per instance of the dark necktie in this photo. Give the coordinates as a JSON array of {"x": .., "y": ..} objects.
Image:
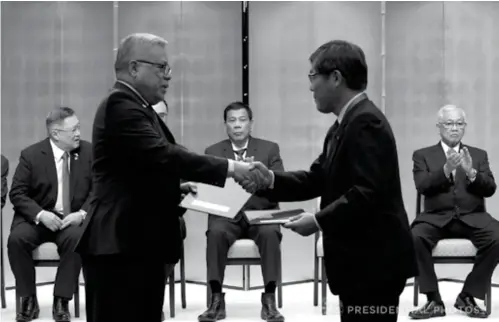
[
  {"x": 239, "y": 154},
  {"x": 66, "y": 201},
  {"x": 330, "y": 137}
]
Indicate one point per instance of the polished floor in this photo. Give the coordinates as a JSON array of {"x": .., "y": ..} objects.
[{"x": 244, "y": 305}]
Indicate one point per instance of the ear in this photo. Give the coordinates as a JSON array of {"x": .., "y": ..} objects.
[{"x": 133, "y": 68}]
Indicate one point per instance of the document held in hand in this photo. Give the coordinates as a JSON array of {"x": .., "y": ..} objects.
[
  {"x": 225, "y": 202},
  {"x": 269, "y": 217}
]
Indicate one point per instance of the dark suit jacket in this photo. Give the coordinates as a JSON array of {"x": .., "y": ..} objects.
[
  {"x": 366, "y": 235},
  {"x": 445, "y": 198},
  {"x": 137, "y": 170},
  {"x": 5, "y": 173},
  {"x": 264, "y": 151},
  {"x": 34, "y": 185}
]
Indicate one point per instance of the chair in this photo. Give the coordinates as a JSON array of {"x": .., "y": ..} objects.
[
  {"x": 319, "y": 262},
  {"x": 171, "y": 285},
  {"x": 46, "y": 255},
  {"x": 245, "y": 252},
  {"x": 451, "y": 251}
]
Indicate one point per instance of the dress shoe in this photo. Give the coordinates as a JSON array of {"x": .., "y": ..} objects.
[
  {"x": 216, "y": 310},
  {"x": 269, "y": 311},
  {"x": 431, "y": 309},
  {"x": 29, "y": 309},
  {"x": 468, "y": 305},
  {"x": 60, "y": 310}
]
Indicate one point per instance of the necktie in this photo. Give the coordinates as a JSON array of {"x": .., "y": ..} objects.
[
  {"x": 66, "y": 201},
  {"x": 239, "y": 154},
  {"x": 331, "y": 138}
]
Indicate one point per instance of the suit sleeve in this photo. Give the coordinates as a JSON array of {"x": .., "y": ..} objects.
[
  {"x": 296, "y": 185},
  {"x": 86, "y": 204},
  {"x": 275, "y": 160},
  {"x": 428, "y": 182},
  {"x": 20, "y": 190},
  {"x": 138, "y": 141},
  {"x": 5, "y": 173},
  {"x": 484, "y": 184},
  {"x": 368, "y": 143}
]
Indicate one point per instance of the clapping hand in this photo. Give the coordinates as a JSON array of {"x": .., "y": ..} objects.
[
  {"x": 303, "y": 224},
  {"x": 466, "y": 161}
]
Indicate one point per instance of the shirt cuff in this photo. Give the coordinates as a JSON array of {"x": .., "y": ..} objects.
[
  {"x": 37, "y": 218},
  {"x": 272, "y": 175},
  {"x": 230, "y": 168},
  {"x": 83, "y": 214},
  {"x": 317, "y": 223}
]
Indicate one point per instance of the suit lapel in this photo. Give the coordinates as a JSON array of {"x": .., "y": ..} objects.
[
  {"x": 252, "y": 150},
  {"x": 74, "y": 171},
  {"x": 227, "y": 150},
  {"x": 48, "y": 160}
]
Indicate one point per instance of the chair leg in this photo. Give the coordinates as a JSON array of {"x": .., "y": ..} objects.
[
  {"x": 77, "y": 298},
  {"x": 171, "y": 286},
  {"x": 488, "y": 299},
  {"x": 182, "y": 281},
  {"x": 324, "y": 287},
  {"x": 279, "y": 284},
  {"x": 316, "y": 281},
  {"x": 416, "y": 291}
]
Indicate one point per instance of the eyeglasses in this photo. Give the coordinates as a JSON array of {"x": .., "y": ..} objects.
[
  {"x": 163, "y": 68},
  {"x": 73, "y": 130},
  {"x": 311, "y": 76},
  {"x": 450, "y": 125}
]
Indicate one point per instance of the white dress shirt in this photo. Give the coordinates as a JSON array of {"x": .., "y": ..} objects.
[
  {"x": 235, "y": 148},
  {"x": 58, "y": 160}
]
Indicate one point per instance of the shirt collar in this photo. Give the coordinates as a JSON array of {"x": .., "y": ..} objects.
[
  {"x": 347, "y": 106},
  {"x": 235, "y": 148},
  {"x": 58, "y": 152},
  {"x": 145, "y": 103},
  {"x": 446, "y": 147}
]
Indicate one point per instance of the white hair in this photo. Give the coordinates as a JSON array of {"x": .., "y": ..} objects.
[
  {"x": 448, "y": 108},
  {"x": 132, "y": 44}
]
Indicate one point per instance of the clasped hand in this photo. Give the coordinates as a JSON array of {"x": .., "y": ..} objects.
[
  {"x": 252, "y": 175},
  {"x": 462, "y": 159}
]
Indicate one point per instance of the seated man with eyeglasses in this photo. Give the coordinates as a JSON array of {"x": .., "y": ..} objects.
[
  {"x": 454, "y": 179},
  {"x": 51, "y": 193}
]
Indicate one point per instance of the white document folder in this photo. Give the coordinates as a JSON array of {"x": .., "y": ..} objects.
[{"x": 224, "y": 202}]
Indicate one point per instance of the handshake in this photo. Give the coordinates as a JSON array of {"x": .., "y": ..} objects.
[{"x": 252, "y": 175}]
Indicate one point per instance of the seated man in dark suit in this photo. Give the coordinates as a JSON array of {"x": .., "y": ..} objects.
[
  {"x": 50, "y": 192},
  {"x": 454, "y": 179},
  {"x": 223, "y": 232},
  {"x": 161, "y": 109}
]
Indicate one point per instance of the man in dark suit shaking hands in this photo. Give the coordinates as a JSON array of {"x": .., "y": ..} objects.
[
  {"x": 368, "y": 247},
  {"x": 50, "y": 191},
  {"x": 133, "y": 229}
]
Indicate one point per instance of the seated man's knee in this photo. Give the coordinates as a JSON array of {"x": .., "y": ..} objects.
[
  {"x": 216, "y": 234},
  {"x": 270, "y": 232},
  {"x": 17, "y": 239}
]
